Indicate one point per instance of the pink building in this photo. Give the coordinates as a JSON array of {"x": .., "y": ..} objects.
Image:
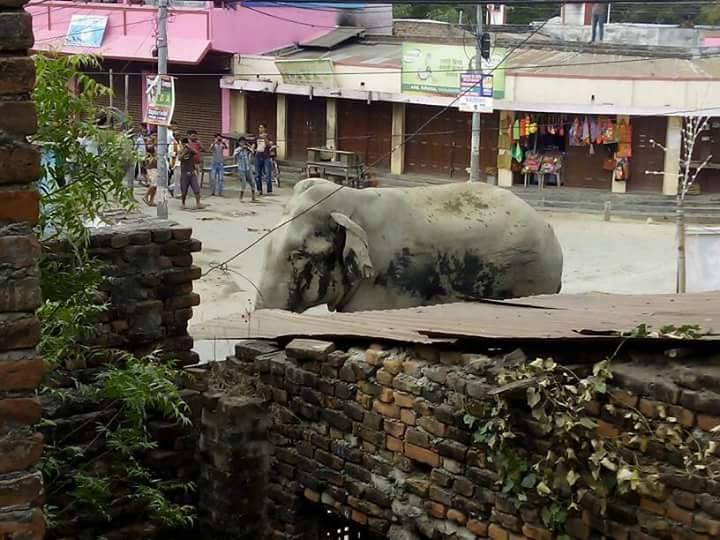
[{"x": 202, "y": 36}]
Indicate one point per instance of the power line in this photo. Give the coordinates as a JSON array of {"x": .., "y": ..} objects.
[{"x": 382, "y": 158}]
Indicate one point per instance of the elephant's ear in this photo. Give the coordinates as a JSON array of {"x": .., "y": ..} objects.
[{"x": 356, "y": 256}]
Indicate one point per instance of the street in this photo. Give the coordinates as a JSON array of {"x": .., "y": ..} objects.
[{"x": 615, "y": 257}]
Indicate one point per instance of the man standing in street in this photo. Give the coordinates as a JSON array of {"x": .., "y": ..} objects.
[
  {"x": 188, "y": 177},
  {"x": 217, "y": 170},
  {"x": 599, "y": 16},
  {"x": 194, "y": 143},
  {"x": 263, "y": 163},
  {"x": 243, "y": 157}
]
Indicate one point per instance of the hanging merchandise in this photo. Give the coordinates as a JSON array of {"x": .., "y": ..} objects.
[
  {"x": 532, "y": 126},
  {"x": 585, "y": 137},
  {"x": 532, "y": 163},
  {"x": 622, "y": 170},
  {"x": 575, "y": 134},
  {"x": 608, "y": 132},
  {"x": 516, "y": 130},
  {"x": 517, "y": 153},
  {"x": 624, "y": 133},
  {"x": 595, "y": 132}
]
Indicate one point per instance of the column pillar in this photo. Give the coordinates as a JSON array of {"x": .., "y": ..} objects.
[
  {"x": 504, "y": 145},
  {"x": 281, "y": 131},
  {"x": 619, "y": 186},
  {"x": 238, "y": 111},
  {"x": 673, "y": 154},
  {"x": 397, "y": 159},
  {"x": 331, "y": 123}
]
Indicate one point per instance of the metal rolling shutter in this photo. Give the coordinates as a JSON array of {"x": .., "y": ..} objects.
[{"x": 198, "y": 106}]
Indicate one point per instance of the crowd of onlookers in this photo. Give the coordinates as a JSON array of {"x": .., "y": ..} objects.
[{"x": 253, "y": 157}]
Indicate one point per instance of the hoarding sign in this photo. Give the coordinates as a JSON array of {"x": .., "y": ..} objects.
[
  {"x": 432, "y": 69},
  {"x": 313, "y": 72},
  {"x": 160, "y": 91},
  {"x": 86, "y": 31},
  {"x": 476, "y": 93}
]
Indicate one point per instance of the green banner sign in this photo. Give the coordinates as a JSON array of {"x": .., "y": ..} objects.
[
  {"x": 313, "y": 72},
  {"x": 431, "y": 69}
]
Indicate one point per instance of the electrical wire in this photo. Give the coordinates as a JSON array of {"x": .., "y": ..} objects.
[{"x": 394, "y": 149}]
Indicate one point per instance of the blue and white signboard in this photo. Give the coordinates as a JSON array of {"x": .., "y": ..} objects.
[
  {"x": 476, "y": 93},
  {"x": 86, "y": 31}
]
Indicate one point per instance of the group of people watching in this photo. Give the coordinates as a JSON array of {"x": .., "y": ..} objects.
[{"x": 254, "y": 159}]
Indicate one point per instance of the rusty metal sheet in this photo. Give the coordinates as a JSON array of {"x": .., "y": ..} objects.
[{"x": 552, "y": 317}]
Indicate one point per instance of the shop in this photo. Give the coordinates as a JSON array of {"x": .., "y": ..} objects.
[
  {"x": 261, "y": 108},
  {"x": 442, "y": 146},
  {"x": 306, "y": 125},
  {"x": 366, "y": 129},
  {"x": 570, "y": 150},
  {"x": 708, "y": 144}
]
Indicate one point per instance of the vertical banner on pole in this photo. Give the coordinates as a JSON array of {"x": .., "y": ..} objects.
[{"x": 160, "y": 91}]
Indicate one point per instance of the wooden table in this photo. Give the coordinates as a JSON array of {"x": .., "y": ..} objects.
[{"x": 341, "y": 164}]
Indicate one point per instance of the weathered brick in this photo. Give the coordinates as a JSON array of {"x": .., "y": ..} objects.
[
  {"x": 418, "y": 438},
  {"x": 20, "y": 489},
  {"x": 652, "y": 506},
  {"x": 309, "y": 349},
  {"x": 497, "y": 533},
  {"x": 452, "y": 449},
  {"x": 457, "y": 516},
  {"x": 478, "y": 528},
  {"x": 22, "y": 411},
  {"x": 463, "y": 486},
  {"x": 19, "y": 451},
  {"x": 678, "y": 514},
  {"x": 440, "y": 495},
  {"x": 20, "y": 371},
  {"x": 435, "y": 509},
  {"x": 419, "y": 485},
  {"x": 22, "y": 524},
  {"x": 423, "y": 455},
  {"x": 536, "y": 533},
  {"x": 393, "y": 444},
  {"x": 703, "y": 402},
  {"x": 708, "y": 503},
  {"x": 394, "y": 428},
  {"x": 685, "y": 499},
  {"x": 623, "y": 398},
  {"x": 707, "y": 422},
  {"x": 21, "y": 163},
  {"x": 384, "y": 377},
  {"x": 19, "y": 332},
  {"x": 406, "y": 383},
  {"x": 706, "y": 524},
  {"x": 607, "y": 430},
  {"x": 389, "y": 410},
  {"x": 685, "y": 417},
  {"x": 432, "y": 425},
  {"x": 353, "y": 410},
  {"x": 16, "y": 32},
  {"x": 372, "y": 436},
  {"x": 336, "y": 419},
  {"x": 408, "y": 416},
  {"x": 359, "y": 517},
  {"x": 374, "y": 356}
]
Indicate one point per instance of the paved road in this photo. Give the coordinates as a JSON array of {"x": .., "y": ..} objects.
[{"x": 617, "y": 257}]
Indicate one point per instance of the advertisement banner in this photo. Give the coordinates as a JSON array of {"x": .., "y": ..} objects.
[
  {"x": 432, "y": 69},
  {"x": 86, "y": 31},
  {"x": 160, "y": 91},
  {"x": 476, "y": 93},
  {"x": 313, "y": 72}
]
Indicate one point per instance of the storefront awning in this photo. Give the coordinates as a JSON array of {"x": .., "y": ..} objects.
[{"x": 120, "y": 47}]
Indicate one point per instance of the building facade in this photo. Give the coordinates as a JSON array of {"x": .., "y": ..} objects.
[
  {"x": 604, "y": 115},
  {"x": 203, "y": 37}
]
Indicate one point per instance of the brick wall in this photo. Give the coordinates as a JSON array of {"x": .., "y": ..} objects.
[
  {"x": 20, "y": 368},
  {"x": 376, "y": 435},
  {"x": 149, "y": 274}
]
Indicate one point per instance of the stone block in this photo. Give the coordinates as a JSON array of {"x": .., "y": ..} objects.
[
  {"x": 19, "y": 370},
  {"x": 418, "y": 438},
  {"x": 21, "y": 162},
  {"x": 406, "y": 383},
  {"x": 19, "y": 450},
  {"x": 478, "y": 528},
  {"x": 394, "y": 428},
  {"x": 432, "y": 425},
  {"x": 440, "y": 495},
  {"x": 536, "y": 533},
  {"x": 408, "y": 417},
  {"x": 20, "y": 489},
  {"x": 16, "y": 30},
  {"x": 19, "y": 411},
  {"x": 309, "y": 349},
  {"x": 20, "y": 206},
  {"x": 496, "y": 532},
  {"x": 18, "y": 117},
  {"x": 18, "y": 251},
  {"x": 463, "y": 486},
  {"x": 22, "y": 524},
  {"x": 18, "y": 332},
  {"x": 441, "y": 478},
  {"x": 388, "y": 410},
  {"x": 18, "y": 75},
  {"x": 371, "y": 435},
  {"x": 435, "y": 509},
  {"x": 707, "y": 422}
]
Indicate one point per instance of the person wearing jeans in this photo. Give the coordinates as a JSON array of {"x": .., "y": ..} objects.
[
  {"x": 217, "y": 171},
  {"x": 263, "y": 159},
  {"x": 599, "y": 16}
]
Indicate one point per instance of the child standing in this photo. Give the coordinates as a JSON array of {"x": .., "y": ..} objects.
[
  {"x": 217, "y": 172},
  {"x": 243, "y": 157}
]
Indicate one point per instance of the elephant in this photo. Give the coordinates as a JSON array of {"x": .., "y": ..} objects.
[{"x": 391, "y": 248}]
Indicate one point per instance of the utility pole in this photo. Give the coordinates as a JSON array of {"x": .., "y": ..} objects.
[
  {"x": 475, "y": 140},
  {"x": 162, "y": 146}
]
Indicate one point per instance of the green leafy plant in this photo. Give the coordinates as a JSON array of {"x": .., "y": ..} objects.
[
  {"x": 88, "y": 482},
  {"x": 545, "y": 446},
  {"x": 85, "y": 156}
]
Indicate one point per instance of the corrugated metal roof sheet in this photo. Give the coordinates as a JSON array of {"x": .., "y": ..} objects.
[
  {"x": 537, "y": 62},
  {"x": 333, "y": 38},
  {"x": 556, "y": 317}
]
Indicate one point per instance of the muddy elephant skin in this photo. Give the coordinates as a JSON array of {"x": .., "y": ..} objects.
[{"x": 392, "y": 248}]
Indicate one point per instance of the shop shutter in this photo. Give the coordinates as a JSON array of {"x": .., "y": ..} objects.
[
  {"x": 306, "y": 125},
  {"x": 366, "y": 128},
  {"x": 198, "y": 106},
  {"x": 261, "y": 108}
]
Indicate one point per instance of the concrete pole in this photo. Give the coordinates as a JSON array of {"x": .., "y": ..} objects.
[
  {"x": 112, "y": 87},
  {"x": 475, "y": 140},
  {"x": 127, "y": 94},
  {"x": 162, "y": 146}
]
